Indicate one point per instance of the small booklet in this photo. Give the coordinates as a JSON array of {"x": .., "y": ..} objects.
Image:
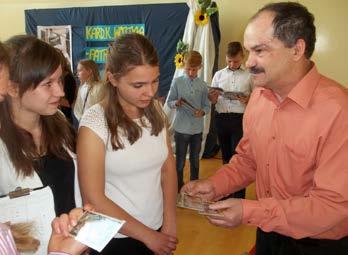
[
  {"x": 95, "y": 229},
  {"x": 233, "y": 95},
  {"x": 195, "y": 203}
]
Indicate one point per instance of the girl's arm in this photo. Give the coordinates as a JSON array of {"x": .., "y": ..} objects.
[
  {"x": 91, "y": 172},
  {"x": 170, "y": 190}
]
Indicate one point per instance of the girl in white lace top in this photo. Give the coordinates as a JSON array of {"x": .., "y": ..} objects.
[{"x": 126, "y": 166}]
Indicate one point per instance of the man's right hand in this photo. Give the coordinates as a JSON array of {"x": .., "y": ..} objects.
[{"x": 201, "y": 188}]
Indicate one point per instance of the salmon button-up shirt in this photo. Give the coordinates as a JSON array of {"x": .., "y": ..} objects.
[{"x": 297, "y": 152}]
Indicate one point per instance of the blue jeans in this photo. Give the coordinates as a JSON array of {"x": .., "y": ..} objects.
[{"x": 182, "y": 142}]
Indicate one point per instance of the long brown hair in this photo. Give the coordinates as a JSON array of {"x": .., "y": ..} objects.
[
  {"x": 4, "y": 58},
  {"x": 126, "y": 53},
  {"x": 31, "y": 61}
]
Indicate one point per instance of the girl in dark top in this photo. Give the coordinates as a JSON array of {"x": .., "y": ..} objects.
[
  {"x": 36, "y": 141},
  {"x": 70, "y": 87}
]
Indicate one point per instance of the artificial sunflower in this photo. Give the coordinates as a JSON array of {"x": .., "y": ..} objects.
[
  {"x": 201, "y": 18},
  {"x": 179, "y": 60}
]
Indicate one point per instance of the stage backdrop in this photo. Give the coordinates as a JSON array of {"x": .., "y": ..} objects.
[{"x": 94, "y": 27}]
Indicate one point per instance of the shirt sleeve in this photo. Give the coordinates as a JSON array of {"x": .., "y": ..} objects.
[
  {"x": 214, "y": 82},
  {"x": 94, "y": 119},
  {"x": 205, "y": 100},
  {"x": 7, "y": 244},
  {"x": 173, "y": 94},
  {"x": 240, "y": 171},
  {"x": 78, "y": 105},
  {"x": 324, "y": 208},
  {"x": 94, "y": 95}
]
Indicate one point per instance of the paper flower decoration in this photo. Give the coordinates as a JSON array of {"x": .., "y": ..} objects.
[{"x": 179, "y": 60}]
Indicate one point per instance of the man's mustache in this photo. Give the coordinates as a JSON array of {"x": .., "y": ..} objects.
[{"x": 256, "y": 70}]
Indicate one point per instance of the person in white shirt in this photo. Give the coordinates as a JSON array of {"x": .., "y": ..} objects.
[
  {"x": 61, "y": 243},
  {"x": 90, "y": 86},
  {"x": 229, "y": 111},
  {"x": 125, "y": 161}
]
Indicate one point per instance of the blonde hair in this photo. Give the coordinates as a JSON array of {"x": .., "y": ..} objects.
[
  {"x": 93, "y": 67},
  {"x": 22, "y": 235},
  {"x": 192, "y": 59}
]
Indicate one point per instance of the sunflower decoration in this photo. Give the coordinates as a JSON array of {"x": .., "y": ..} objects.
[
  {"x": 181, "y": 49},
  {"x": 201, "y": 18},
  {"x": 207, "y": 8},
  {"x": 179, "y": 60}
]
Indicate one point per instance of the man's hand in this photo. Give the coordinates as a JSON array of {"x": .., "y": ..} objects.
[
  {"x": 200, "y": 188},
  {"x": 231, "y": 213}
]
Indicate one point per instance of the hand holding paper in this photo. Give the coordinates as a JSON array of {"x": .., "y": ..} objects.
[
  {"x": 231, "y": 213},
  {"x": 95, "y": 230}
]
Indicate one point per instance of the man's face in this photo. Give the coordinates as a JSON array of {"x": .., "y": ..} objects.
[
  {"x": 234, "y": 62},
  {"x": 269, "y": 61}
]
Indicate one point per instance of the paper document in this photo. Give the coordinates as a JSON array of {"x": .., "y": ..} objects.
[
  {"x": 36, "y": 208},
  {"x": 96, "y": 230}
]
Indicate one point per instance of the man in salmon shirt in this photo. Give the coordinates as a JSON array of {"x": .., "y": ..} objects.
[{"x": 295, "y": 144}]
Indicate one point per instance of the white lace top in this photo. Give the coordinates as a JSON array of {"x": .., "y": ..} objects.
[{"x": 132, "y": 174}]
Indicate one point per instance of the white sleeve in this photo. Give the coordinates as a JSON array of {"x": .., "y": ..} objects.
[
  {"x": 94, "y": 119},
  {"x": 78, "y": 105},
  {"x": 214, "y": 82}
]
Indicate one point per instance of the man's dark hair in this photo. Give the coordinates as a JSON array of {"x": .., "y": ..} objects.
[
  {"x": 233, "y": 49},
  {"x": 292, "y": 21}
]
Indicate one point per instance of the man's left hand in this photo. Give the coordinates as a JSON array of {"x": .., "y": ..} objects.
[{"x": 231, "y": 213}]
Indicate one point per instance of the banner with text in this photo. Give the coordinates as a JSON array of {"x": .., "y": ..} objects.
[
  {"x": 107, "y": 33},
  {"x": 111, "y": 32}
]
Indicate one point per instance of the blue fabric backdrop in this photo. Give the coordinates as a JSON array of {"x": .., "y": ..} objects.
[{"x": 164, "y": 25}]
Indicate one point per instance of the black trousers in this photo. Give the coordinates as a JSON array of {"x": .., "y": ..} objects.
[
  {"x": 229, "y": 128},
  {"x": 124, "y": 246},
  {"x": 277, "y": 244}
]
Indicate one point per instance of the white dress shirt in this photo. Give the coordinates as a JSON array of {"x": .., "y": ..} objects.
[{"x": 231, "y": 80}]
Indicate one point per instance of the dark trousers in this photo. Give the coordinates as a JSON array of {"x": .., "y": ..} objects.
[
  {"x": 229, "y": 127},
  {"x": 124, "y": 246},
  {"x": 277, "y": 244},
  {"x": 182, "y": 142}
]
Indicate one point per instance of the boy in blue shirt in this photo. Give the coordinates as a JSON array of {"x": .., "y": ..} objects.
[{"x": 189, "y": 96}]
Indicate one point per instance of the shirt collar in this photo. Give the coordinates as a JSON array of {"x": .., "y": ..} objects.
[
  {"x": 189, "y": 79},
  {"x": 241, "y": 68},
  {"x": 303, "y": 90}
]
